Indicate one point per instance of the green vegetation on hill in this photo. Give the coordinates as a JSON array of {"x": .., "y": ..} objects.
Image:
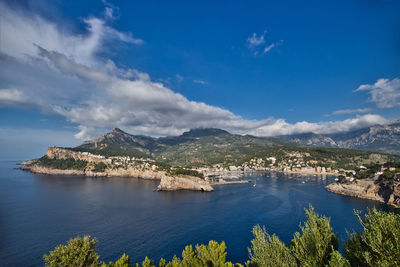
[
  {"x": 63, "y": 164},
  {"x": 206, "y": 147},
  {"x": 113, "y": 150},
  {"x": 100, "y": 167},
  {"x": 181, "y": 171},
  {"x": 315, "y": 245}
]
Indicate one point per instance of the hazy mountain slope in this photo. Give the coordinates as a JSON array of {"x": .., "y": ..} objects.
[
  {"x": 118, "y": 142},
  {"x": 198, "y": 143},
  {"x": 209, "y": 146},
  {"x": 380, "y": 138}
]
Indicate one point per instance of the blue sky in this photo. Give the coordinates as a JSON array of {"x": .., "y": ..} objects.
[{"x": 73, "y": 69}]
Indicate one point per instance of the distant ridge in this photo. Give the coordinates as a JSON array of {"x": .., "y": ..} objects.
[
  {"x": 210, "y": 146},
  {"x": 379, "y": 138},
  {"x": 198, "y": 132},
  {"x": 196, "y": 145}
]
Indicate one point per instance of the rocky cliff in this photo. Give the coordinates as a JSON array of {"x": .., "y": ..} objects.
[
  {"x": 183, "y": 183},
  {"x": 115, "y": 166},
  {"x": 369, "y": 189},
  {"x": 63, "y": 153}
]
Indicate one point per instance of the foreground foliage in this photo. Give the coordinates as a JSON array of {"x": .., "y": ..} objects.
[
  {"x": 315, "y": 245},
  {"x": 378, "y": 244}
]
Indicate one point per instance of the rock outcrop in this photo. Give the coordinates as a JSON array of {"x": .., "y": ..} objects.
[
  {"x": 183, "y": 183},
  {"x": 130, "y": 172},
  {"x": 63, "y": 153},
  {"x": 368, "y": 189}
]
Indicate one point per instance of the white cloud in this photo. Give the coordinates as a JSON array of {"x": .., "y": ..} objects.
[
  {"x": 86, "y": 133},
  {"x": 21, "y": 31},
  {"x": 202, "y": 82},
  {"x": 351, "y": 111},
  {"x": 12, "y": 97},
  {"x": 60, "y": 72},
  {"x": 384, "y": 93},
  {"x": 281, "y": 127},
  {"x": 269, "y": 47},
  {"x": 109, "y": 12},
  {"x": 255, "y": 40},
  {"x": 258, "y": 46}
]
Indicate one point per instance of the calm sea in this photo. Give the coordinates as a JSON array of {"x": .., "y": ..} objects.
[{"x": 38, "y": 212}]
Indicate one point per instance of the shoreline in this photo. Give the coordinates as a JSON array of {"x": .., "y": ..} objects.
[
  {"x": 367, "y": 189},
  {"x": 232, "y": 182}
]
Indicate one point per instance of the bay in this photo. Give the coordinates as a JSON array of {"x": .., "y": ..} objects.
[{"x": 125, "y": 215}]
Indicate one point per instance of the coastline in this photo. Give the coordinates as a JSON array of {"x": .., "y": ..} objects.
[
  {"x": 367, "y": 189},
  {"x": 231, "y": 182},
  {"x": 364, "y": 189}
]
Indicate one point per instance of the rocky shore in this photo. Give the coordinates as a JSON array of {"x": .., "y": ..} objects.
[
  {"x": 130, "y": 172},
  {"x": 64, "y": 161},
  {"x": 368, "y": 189},
  {"x": 184, "y": 183},
  {"x": 167, "y": 183}
]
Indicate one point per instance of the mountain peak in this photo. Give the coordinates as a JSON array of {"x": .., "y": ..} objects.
[
  {"x": 198, "y": 132},
  {"x": 117, "y": 130}
]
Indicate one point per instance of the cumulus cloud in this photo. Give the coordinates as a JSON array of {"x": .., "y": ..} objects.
[
  {"x": 21, "y": 32},
  {"x": 257, "y": 44},
  {"x": 351, "y": 111},
  {"x": 384, "y": 93},
  {"x": 62, "y": 73},
  {"x": 281, "y": 127}
]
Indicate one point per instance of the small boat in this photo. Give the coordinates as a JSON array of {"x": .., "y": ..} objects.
[
  {"x": 254, "y": 185},
  {"x": 303, "y": 182}
]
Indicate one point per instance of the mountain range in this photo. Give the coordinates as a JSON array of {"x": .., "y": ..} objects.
[
  {"x": 379, "y": 138},
  {"x": 206, "y": 146},
  {"x": 210, "y": 146}
]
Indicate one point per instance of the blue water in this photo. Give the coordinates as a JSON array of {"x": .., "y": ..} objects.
[{"x": 37, "y": 212}]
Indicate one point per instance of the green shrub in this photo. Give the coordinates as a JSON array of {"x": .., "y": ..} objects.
[
  {"x": 337, "y": 260},
  {"x": 212, "y": 255},
  {"x": 121, "y": 262},
  {"x": 181, "y": 171},
  {"x": 316, "y": 243},
  {"x": 378, "y": 244},
  {"x": 267, "y": 250},
  {"x": 78, "y": 252},
  {"x": 63, "y": 164},
  {"x": 100, "y": 167}
]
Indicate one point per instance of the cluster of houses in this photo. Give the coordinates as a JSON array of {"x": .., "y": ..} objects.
[
  {"x": 293, "y": 163},
  {"x": 122, "y": 161}
]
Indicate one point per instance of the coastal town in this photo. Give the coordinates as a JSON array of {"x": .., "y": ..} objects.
[
  {"x": 67, "y": 161},
  {"x": 295, "y": 164}
]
